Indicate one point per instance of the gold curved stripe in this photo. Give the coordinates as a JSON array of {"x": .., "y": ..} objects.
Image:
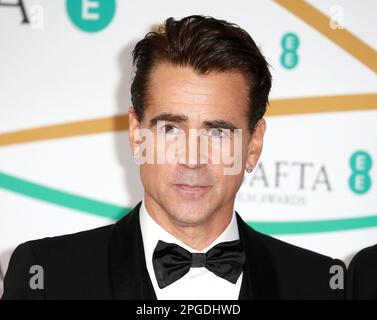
[
  {"x": 108, "y": 124},
  {"x": 281, "y": 107},
  {"x": 278, "y": 107},
  {"x": 342, "y": 37}
]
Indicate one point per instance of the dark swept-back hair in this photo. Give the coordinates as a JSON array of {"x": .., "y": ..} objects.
[{"x": 207, "y": 45}]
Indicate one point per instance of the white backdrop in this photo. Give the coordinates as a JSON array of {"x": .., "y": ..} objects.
[{"x": 61, "y": 68}]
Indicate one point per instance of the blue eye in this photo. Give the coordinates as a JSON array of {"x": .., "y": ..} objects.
[
  {"x": 169, "y": 129},
  {"x": 217, "y": 133}
]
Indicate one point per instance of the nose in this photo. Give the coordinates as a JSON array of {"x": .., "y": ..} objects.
[{"x": 196, "y": 155}]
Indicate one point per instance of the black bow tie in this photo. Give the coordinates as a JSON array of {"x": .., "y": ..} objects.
[{"x": 171, "y": 262}]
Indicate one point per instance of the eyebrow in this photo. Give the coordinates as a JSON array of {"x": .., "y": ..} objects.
[
  {"x": 179, "y": 118},
  {"x": 220, "y": 124}
]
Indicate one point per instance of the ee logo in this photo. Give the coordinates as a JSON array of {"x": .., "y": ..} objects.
[
  {"x": 91, "y": 15},
  {"x": 360, "y": 181},
  {"x": 289, "y": 57}
]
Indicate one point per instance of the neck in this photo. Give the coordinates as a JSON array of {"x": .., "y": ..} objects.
[{"x": 197, "y": 236}]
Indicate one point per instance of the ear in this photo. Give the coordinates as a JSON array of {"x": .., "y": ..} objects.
[
  {"x": 134, "y": 126},
  {"x": 255, "y": 145}
]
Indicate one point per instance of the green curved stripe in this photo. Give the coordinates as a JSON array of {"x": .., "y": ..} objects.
[
  {"x": 314, "y": 226},
  {"x": 61, "y": 198},
  {"x": 111, "y": 211}
]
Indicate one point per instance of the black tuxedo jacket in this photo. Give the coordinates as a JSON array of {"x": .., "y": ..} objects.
[
  {"x": 109, "y": 263},
  {"x": 362, "y": 275}
]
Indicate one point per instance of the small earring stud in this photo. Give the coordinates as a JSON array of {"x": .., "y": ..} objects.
[{"x": 249, "y": 170}]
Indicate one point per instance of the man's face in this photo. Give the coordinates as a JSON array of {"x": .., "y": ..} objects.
[{"x": 189, "y": 192}]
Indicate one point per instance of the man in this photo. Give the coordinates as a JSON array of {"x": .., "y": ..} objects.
[
  {"x": 184, "y": 240},
  {"x": 362, "y": 276}
]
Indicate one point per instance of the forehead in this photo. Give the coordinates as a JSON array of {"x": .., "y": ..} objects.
[{"x": 177, "y": 89}]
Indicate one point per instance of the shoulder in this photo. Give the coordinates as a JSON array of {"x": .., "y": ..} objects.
[
  {"x": 366, "y": 257},
  {"x": 299, "y": 273},
  {"x": 93, "y": 239},
  {"x": 68, "y": 262},
  {"x": 288, "y": 252},
  {"x": 71, "y": 252},
  {"x": 362, "y": 274},
  {"x": 293, "y": 262}
]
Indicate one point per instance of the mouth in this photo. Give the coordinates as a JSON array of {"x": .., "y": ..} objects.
[{"x": 193, "y": 189}]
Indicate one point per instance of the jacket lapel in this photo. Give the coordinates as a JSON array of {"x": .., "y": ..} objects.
[
  {"x": 128, "y": 272},
  {"x": 259, "y": 280}
]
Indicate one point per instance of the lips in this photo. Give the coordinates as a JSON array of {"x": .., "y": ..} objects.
[{"x": 191, "y": 188}]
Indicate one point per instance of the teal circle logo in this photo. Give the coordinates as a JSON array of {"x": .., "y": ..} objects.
[
  {"x": 91, "y": 15},
  {"x": 360, "y": 163},
  {"x": 290, "y": 43}
]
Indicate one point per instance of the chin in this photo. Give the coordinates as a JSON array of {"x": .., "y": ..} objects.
[
  {"x": 189, "y": 215},
  {"x": 189, "y": 221}
]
